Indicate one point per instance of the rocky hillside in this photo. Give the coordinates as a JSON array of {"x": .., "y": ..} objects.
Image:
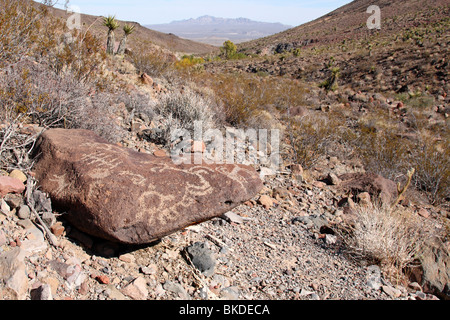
[{"x": 93, "y": 207}]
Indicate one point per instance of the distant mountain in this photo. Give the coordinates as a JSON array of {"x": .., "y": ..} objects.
[{"x": 215, "y": 31}]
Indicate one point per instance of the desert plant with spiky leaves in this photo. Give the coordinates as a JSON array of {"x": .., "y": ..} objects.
[
  {"x": 111, "y": 23},
  {"x": 127, "y": 30}
]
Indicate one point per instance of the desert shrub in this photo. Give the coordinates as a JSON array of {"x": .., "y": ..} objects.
[
  {"x": 19, "y": 29},
  {"x": 245, "y": 96},
  {"x": 431, "y": 159},
  {"x": 385, "y": 151},
  {"x": 181, "y": 110},
  {"x": 389, "y": 237},
  {"x": 314, "y": 137},
  {"x": 155, "y": 63},
  {"x": 33, "y": 92}
]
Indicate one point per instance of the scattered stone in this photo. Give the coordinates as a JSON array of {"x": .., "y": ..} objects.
[
  {"x": 330, "y": 239},
  {"x": 42, "y": 203},
  {"x": 149, "y": 270},
  {"x": 177, "y": 289},
  {"x": 13, "y": 273},
  {"x": 109, "y": 192},
  {"x": 146, "y": 79},
  {"x": 333, "y": 179},
  {"x": 49, "y": 218},
  {"x": 137, "y": 289},
  {"x": 17, "y": 174},
  {"x": 364, "y": 200},
  {"x": 57, "y": 229},
  {"x": 232, "y": 217},
  {"x": 43, "y": 292},
  {"x": 424, "y": 213},
  {"x": 24, "y": 212},
  {"x": 102, "y": 279},
  {"x": 415, "y": 286},
  {"x": 266, "y": 202},
  {"x": 128, "y": 258},
  {"x": 392, "y": 292},
  {"x": 14, "y": 200},
  {"x": 202, "y": 258},
  {"x": 375, "y": 185},
  {"x": 374, "y": 277},
  {"x": 230, "y": 293},
  {"x": 4, "y": 207}
]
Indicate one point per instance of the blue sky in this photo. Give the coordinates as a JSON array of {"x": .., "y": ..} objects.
[{"x": 291, "y": 12}]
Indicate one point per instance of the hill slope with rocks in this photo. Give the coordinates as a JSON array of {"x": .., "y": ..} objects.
[{"x": 87, "y": 182}]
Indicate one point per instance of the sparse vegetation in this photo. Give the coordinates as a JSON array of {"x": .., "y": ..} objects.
[{"x": 389, "y": 237}]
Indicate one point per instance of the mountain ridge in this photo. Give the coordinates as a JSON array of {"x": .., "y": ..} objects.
[{"x": 215, "y": 30}]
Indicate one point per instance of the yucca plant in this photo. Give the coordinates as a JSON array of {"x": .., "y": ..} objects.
[
  {"x": 127, "y": 29},
  {"x": 111, "y": 23}
]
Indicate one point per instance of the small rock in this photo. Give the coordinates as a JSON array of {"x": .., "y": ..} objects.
[
  {"x": 3, "y": 239},
  {"x": 392, "y": 292},
  {"x": 17, "y": 174},
  {"x": 43, "y": 292},
  {"x": 42, "y": 202},
  {"x": 57, "y": 229},
  {"x": 266, "y": 202},
  {"x": 421, "y": 296},
  {"x": 230, "y": 293},
  {"x": 48, "y": 218},
  {"x": 424, "y": 213},
  {"x": 304, "y": 293},
  {"x": 128, "y": 258},
  {"x": 102, "y": 279},
  {"x": 232, "y": 217},
  {"x": 202, "y": 258},
  {"x": 333, "y": 179},
  {"x": 415, "y": 286},
  {"x": 137, "y": 289},
  {"x": 177, "y": 289},
  {"x": 4, "y": 207},
  {"x": 149, "y": 270},
  {"x": 10, "y": 185},
  {"x": 330, "y": 239},
  {"x": 364, "y": 200},
  {"x": 14, "y": 200},
  {"x": 24, "y": 212}
]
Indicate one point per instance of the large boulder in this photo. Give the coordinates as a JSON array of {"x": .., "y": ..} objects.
[{"x": 134, "y": 198}]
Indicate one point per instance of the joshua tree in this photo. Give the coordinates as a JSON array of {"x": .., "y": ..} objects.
[
  {"x": 127, "y": 29},
  {"x": 111, "y": 23}
]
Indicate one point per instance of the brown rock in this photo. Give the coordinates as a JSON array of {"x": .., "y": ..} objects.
[
  {"x": 375, "y": 185},
  {"x": 424, "y": 213},
  {"x": 266, "y": 202},
  {"x": 10, "y": 185},
  {"x": 364, "y": 200},
  {"x": 146, "y": 79},
  {"x": 124, "y": 196}
]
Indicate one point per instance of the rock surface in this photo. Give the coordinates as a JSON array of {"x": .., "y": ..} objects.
[
  {"x": 375, "y": 185},
  {"x": 134, "y": 198}
]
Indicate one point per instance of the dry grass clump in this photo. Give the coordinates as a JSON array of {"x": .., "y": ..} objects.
[
  {"x": 389, "y": 237},
  {"x": 182, "y": 110}
]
